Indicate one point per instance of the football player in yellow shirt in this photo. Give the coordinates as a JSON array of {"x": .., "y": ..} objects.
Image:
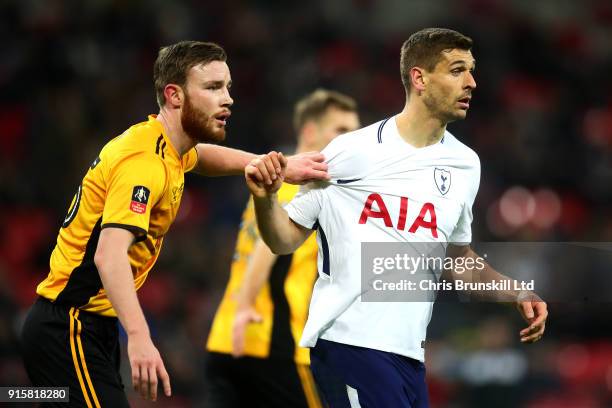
[
  {"x": 115, "y": 226},
  {"x": 265, "y": 306}
]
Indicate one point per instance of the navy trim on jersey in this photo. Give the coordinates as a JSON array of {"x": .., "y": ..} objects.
[
  {"x": 380, "y": 128},
  {"x": 347, "y": 181},
  {"x": 324, "y": 247}
]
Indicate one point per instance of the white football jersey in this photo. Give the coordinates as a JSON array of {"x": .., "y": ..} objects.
[{"x": 382, "y": 189}]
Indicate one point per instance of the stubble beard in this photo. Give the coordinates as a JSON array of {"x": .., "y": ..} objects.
[
  {"x": 442, "y": 109},
  {"x": 197, "y": 125}
]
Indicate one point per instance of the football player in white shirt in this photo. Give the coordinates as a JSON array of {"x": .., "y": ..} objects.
[{"x": 404, "y": 179}]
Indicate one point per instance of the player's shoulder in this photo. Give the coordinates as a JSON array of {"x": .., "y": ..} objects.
[
  {"x": 355, "y": 143},
  {"x": 142, "y": 137},
  {"x": 364, "y": 136},
  {"x": 350, "y": 155},
  {"x": 143, "y": 140},
  {"x": 461, "y": 149}
]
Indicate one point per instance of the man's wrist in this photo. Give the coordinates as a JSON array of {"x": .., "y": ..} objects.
[
  {"x": 240, "y": 297},
  {"x": 268, "y": 199},
  {"x": 243, "y": 304},
  {"x": 528, "y": 296},
  {"x": 247, "y": 158},
  {"x": 138, "y": 332}
]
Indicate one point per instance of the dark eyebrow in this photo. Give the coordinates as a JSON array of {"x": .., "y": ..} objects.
[
  {"x": 217, "y": 83},
  {"x": 463, "y": 62}
]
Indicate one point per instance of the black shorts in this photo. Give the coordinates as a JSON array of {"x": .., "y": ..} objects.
[
  {"x": 64, "y": 347},
  {"x": 258, "y": 382}
]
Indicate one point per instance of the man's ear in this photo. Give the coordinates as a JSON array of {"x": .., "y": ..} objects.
[
  {"x": 174, "y": 95},
  {"x": 418, "y": 78}
]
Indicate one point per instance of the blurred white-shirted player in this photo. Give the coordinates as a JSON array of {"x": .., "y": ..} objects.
[{"x": 404, "y": 179}]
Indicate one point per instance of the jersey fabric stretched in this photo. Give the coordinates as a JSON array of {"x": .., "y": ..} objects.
[
  {"x": 382, "y": 189},
  {"x": 136, "y": 183}
]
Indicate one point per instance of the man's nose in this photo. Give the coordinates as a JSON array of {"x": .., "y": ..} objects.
[
  {"x": 227, "y": 99},
  {"x": 471, "y": 82}
]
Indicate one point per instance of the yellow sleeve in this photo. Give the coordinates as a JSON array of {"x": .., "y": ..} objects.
[
  {"x": 190, "y": 159},
  {"x": 134, "y": 185}
]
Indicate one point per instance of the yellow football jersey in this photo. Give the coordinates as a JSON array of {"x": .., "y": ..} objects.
[
  {"x": 135, "y": 183},
  {"x": 283, "y": 301}
]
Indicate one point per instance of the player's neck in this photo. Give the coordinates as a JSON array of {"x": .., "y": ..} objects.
[
  {"x": 418, "y": 127},
  {"x": 174, "y": 131}
]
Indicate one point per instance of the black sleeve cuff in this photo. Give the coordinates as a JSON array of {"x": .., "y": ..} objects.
[{"x": 138, "y": 232}]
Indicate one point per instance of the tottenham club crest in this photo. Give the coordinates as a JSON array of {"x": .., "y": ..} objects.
[{"x": 443, "y": 180}]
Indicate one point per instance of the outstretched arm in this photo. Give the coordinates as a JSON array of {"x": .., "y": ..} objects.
[
  {"x": 278, "y": 231},
  {"x": 216, "y": 161},
  {"x": 530, "y": 305}
]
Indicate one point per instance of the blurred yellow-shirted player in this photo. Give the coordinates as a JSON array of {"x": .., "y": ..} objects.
[
  {"x": 283, "y": 299},
  {"x": 254, "y": 358}
]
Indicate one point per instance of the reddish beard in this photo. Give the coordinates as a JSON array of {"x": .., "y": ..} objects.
[{"x": 197, "y": 124}]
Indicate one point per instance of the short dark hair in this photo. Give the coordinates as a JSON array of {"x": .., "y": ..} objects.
[
  {"x": 174, "y": 61},
  {"x": 314, "y": 105},
  {"x": 424, "y": 48}
]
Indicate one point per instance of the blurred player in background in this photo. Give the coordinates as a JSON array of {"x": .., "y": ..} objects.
[
  {"x": 404, "y": 179},
  {"x": 265, "y": 306},
  {"x": 114, "y": 229}
]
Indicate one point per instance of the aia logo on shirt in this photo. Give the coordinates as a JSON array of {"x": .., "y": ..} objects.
[
  {"x": 140, "y": 198},
  {"x": 428, "y": 210}
]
